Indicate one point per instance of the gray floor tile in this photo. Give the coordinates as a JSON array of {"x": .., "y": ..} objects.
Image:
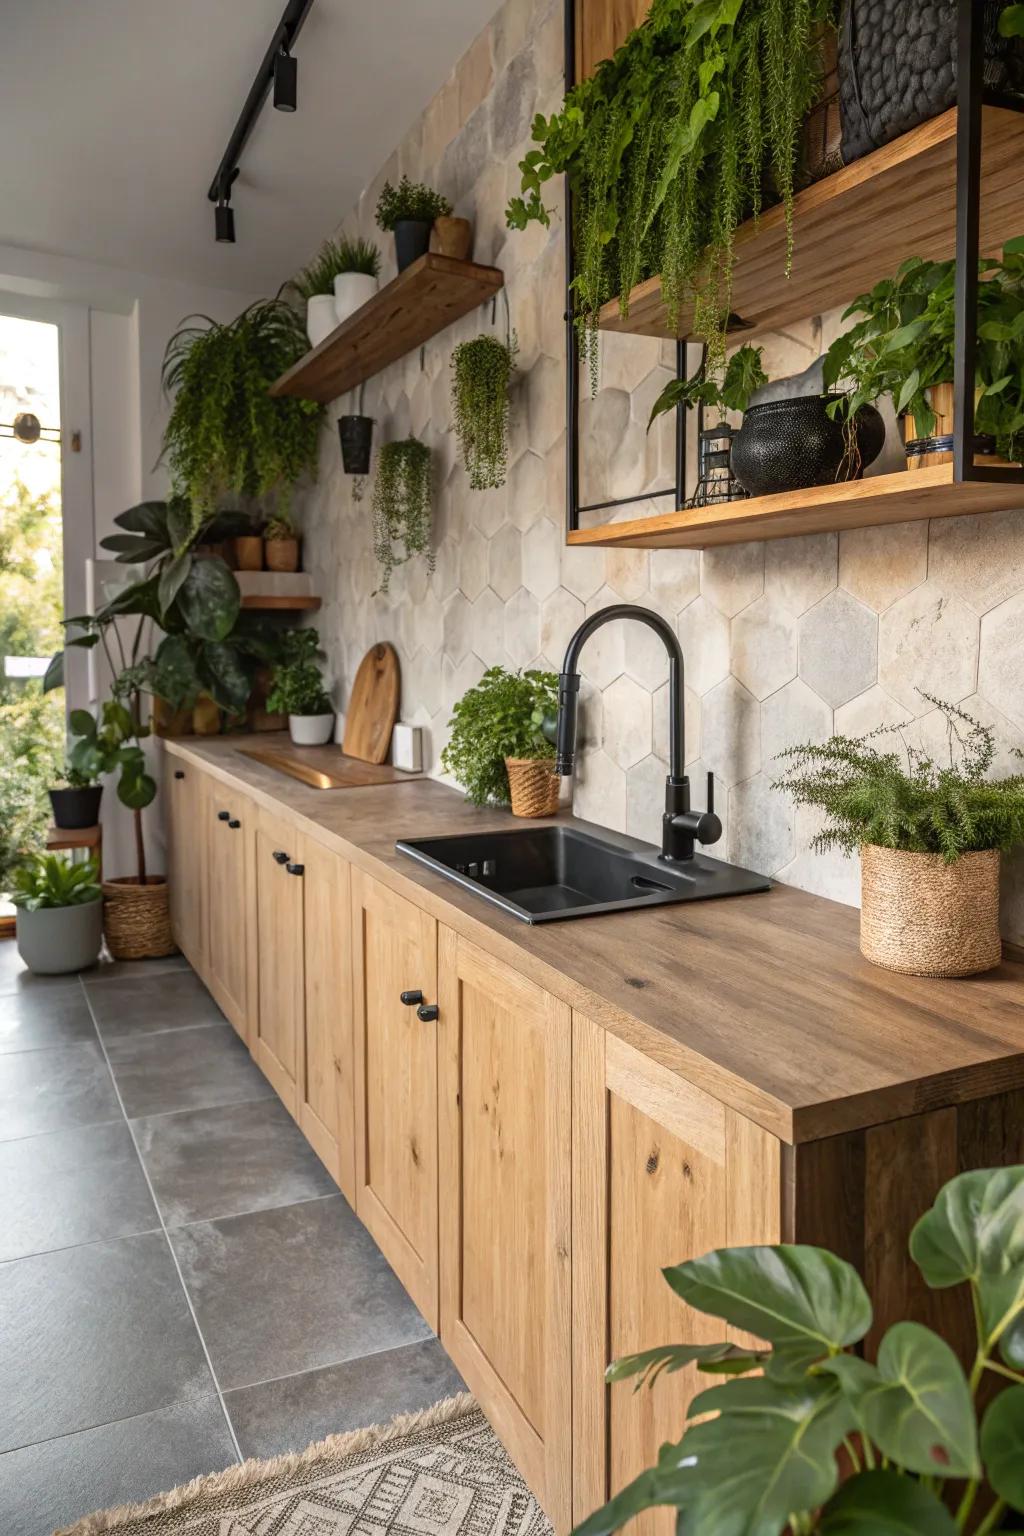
[
  {"x": 53, "y": 1484},
  {"x": 68, "y": 1187},
  {"x": 184, "y": 1069},
  {"x": 106, "y": 968},
  {"x": 206, "y": 1163},
  {"x": 288, "y": 1415},
  {"x": 34, "y": 1018},
  {"x": 16, "y": 977},
  {"x": 290, "y": 1290},
  {"x": 91, "y": 1334},
  {"x": 142, "y": 1005},
  {"x": 52, "y": 1090}
]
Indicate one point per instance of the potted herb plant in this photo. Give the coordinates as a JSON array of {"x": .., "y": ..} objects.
[
  {"x": 822, "y": 1439},
  {"x": 409, "y": 211},
  {"x": 281, "y": 543},
  {"x": 402, "y": 506},
  {"x": 501, "y": 747},
  {"x": 929, "y": 834},
  {"x": 59, "y": 914},
  {"x": 339, "y": 280},
  {"x": 297, "y": 690},
  {"x": 76, "y": 800},
  {"x": 482, "y": 370},
  {"x": 355, "y": 281}
]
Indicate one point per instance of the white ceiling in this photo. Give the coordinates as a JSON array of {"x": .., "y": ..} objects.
[{"x": 114, "y": 115}]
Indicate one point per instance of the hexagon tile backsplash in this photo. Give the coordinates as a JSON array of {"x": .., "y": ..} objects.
[{"x": 784, "y": 642}]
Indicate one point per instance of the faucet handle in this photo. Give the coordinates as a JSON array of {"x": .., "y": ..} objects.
[{"x": 711, "y": 791}]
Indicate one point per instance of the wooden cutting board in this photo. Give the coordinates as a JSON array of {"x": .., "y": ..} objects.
[
  {"x": 325, "y": 767},
  {"x": 373, "y": 705}
]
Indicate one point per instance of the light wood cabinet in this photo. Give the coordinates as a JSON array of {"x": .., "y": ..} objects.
[
  {"x": 278, "y": 1014},
  {"x": 505, "y": 1145},
  {"x": 325, "y": 1086},
  {"x": 186, "y": 860},
  {"x": 394, "y": 950},
  {"x": 662, "y": 1173},
  {"x": 229, "y": 826}
]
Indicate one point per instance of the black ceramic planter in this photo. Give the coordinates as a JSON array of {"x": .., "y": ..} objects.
[
  {"x": 412, "y": 239},
  {"x": 787, "y": 445},
  {"x": 356, "y": 433},
  {"x": 75, "y": 808}
]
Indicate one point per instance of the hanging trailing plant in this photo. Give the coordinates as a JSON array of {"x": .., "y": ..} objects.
[
  {"x": 482, "y": 369},
  {"x": 402, "y": 506},
  {"x": 226, "y": 433},
  {"x": 671, "y": 144}
]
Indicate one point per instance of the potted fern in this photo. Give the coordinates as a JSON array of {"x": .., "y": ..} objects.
[
  {"x": 930, "y": 837},
  {"x": 409, "y": 211},
  {"x": 297, "y": 690},
  {"x": 501, "y": 748},
  {"x": 59, "y": 914}
]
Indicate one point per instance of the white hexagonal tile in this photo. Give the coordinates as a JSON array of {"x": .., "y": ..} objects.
[
  {"x": 582, "y": 570},
  {"x": 675, "y": 576},
  {"x": 522, "y": 628},
  {"x": 645, "y": 799},
  {"x": 980, "y": 558},
  {"x": 445, "y": 579},
  {"x": 929, "y": 640},
  {"x": 458, "y": 627},
  {"x": 704, "y": 636},
  {"x": 545, "y": 403},
  {"x": 839, "y": 648},
  {"x": 646, "y": 658},
  {"x": 832, "y": 873},
  {"x": 868, "y": 711},
  {"x": 1009, "y": 738},
  {"x": 603, "y": 657},
  {"x": 527, "y": 488},
  {"x": 879, "y": 565},
  {"x": 799, "y": 572},
  {"x": 627, "y": 360},
  {"x": 627, "y": 722},
  {"x": 422, "y": 677},
  {"x": 790, "y": 718},
  {"x": 599, "y": 791},
  {"x": 730, "y": 732},
  {"x": 732, "y": 577},
  {"x": 542, "y": 548},
  {"x": 488, "y": 509},
  {"x": 760, "y": 826},
  {"x": 458, "y": 679},
  {"x": 560, "y": 617},
  {"x": 1001, "y": 668},
  {"x": 472, "y": 563},
  {"x": 431, "y": 623},
  {"x": 505, "y": 561},
  {"x": 627, "y": 572},
  {"x": 764, "y": 647},
  {"x": 488, "y": 628}
]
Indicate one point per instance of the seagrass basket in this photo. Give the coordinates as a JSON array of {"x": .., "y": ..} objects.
[
  {"x": 137, "y": 919},
  {"x": 924, "y": 917},
  {"x": 534, "y": 786}
]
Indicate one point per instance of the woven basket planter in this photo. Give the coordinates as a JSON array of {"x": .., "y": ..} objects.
[
  {"x": 137, "y": 919},
  {"x": 924, "y": 917},
  {"x": 534, "y": 785}
]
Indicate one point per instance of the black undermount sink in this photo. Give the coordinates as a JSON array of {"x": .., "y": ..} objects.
[{"x": 541, "y": 874}]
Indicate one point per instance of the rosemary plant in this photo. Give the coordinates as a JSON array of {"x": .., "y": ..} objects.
[
  {"x": 402, "y": 506},
  {"x": 482, "y": 369}
]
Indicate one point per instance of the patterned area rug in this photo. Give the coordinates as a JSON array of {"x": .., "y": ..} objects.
[{"x": 437, "y": 1473}]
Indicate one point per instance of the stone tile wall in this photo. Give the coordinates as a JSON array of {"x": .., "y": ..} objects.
[{"x": 784, "y": 641}]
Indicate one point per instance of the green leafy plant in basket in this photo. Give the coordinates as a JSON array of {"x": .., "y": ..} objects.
[
  {"x": 823, "y": 1440},
  {"x": 482, "y": 370},
  {"x": 402, "y": 506},
  {"x": 297, "y": 685},
  {"x": 507, "y": 714},
  {"x": 744, "y": 372}
]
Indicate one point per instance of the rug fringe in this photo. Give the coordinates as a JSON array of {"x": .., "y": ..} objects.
[{"x": 256, "y": 1470}]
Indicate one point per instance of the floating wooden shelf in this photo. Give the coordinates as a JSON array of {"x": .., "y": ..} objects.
[
  {"x": 282, "y": 604},
  {"x": 416, "y": 305},
  {"x": 900, "y": 498},
  {"x": 855, "y": 227}
]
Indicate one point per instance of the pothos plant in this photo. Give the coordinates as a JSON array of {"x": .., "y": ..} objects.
[
  {"x": 671, "y": 143},
  {"x": 402, "y": 506},
  {"x": 482, "y": 370},
  {"x": 770, "y": 1451},
  {"x": 729, "y": 391}
]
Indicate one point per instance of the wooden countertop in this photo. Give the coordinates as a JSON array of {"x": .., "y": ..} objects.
[{"x": 764, "y": 1001}]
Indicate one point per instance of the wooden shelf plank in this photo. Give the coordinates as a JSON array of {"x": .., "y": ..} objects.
[
  {"x": 421, "y": 301},
  {"x": 900, "y": 498},
  {"x": 855, "y": 227},
  {"x": 282, "y": 604}
]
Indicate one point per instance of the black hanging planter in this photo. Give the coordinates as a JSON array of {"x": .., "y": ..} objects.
[
  {"x": 76, "y": 808},
  {"x": 787, "y": 445},
  {"x": 412, "y": 239},
  {"x": 356, "y": 433}
]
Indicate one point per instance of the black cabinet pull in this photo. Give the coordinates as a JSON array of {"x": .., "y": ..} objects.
[
  {"x": 279, "y": 857},
  {"x": 296, "y": 869},
  {"x": 234, "y": 824},
  {"x": 410, "y": 999},
  {"x": 179, "y": 773},
  {"x": 223, "y": 815},
  {"x": 427, "y": 1012}
]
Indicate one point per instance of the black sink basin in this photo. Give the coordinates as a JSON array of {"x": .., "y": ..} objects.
[{"x": 542, "y": 874}]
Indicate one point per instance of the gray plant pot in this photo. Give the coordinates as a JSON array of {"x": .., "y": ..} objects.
[{"x": 58, "y": 939}]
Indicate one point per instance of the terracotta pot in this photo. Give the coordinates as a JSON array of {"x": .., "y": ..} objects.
[
  {"x": 534, "y": 786},
  {"x": 923, "y": 917},
  {"x": 170, "y": 722},
  {"x": 206, "y": 716},
  {"x": 281, "y": 554},
  {"x": 137, "y": 919},
  {"x": 249, "y": 552},
  {"x": 452, "y": 237},
  {"x": 940, "y": 398}
]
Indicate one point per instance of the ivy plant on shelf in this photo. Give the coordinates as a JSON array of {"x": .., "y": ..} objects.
[
  {"x": 482, "y": 370},
  {"x": 671, "y": 144},
  {"x": 402, "y": 506}
]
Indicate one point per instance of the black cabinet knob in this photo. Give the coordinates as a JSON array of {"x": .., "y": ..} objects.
[
  {"x": 179, "y": 773},
  {"x": 279, "y": 857},
  {"x": 427, "y": 1012},
  {"x": 234, "y": 824},
  {"x": 223, "y": 815},
  {"x": 296, "y": 869},
  {"x": 410, "y": 999}
]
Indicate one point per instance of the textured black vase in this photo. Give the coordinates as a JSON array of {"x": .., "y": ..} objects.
[
  {"x": 412, "y": 239},
  {"x": 356, "y": 433},
  {"x": 786, "y": 445},
  {"x": 76, "y": 808}
]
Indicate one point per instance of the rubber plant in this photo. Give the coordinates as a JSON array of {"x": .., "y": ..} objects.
[
  {"x": 402, "y": 506},
  {"x": 226, "y": 434},
  {"x": 482, "y": 370},
  {"x": 822, "y": 1439},
  {"x": 671, "y": 144}
]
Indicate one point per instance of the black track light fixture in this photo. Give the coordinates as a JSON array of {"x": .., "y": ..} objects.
[
  {"x": 224, "y": 223},
  {"x": 286, "y": 82}
]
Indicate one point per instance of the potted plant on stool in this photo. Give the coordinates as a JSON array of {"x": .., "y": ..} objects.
[
  {"x": 929, "y": 836},
  {"x": 59, "y": 914},
  {"x": 501, "y": 748},
  {"x": 298, "y": 691},
  {"x": 76, "y": 800},
  {"x": 409, "y": 211}
]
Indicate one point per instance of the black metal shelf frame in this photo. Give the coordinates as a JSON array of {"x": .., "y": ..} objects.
[{"x": 971, "y": 98}]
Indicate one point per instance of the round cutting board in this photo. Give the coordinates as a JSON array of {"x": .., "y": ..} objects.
[{"x": 373, "y": 705}]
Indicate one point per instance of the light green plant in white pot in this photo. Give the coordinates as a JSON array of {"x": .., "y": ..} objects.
[
  {"x": 60, "y": 914},
  {"x": 298, "y": 691}
]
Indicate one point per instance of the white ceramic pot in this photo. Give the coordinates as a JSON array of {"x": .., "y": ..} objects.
[
  {"x": 59, "y": 939},
  {"x": 320, "y": 317},
  {"x": 311, "y": 730},
  {"x": 351, "y": 291}
]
